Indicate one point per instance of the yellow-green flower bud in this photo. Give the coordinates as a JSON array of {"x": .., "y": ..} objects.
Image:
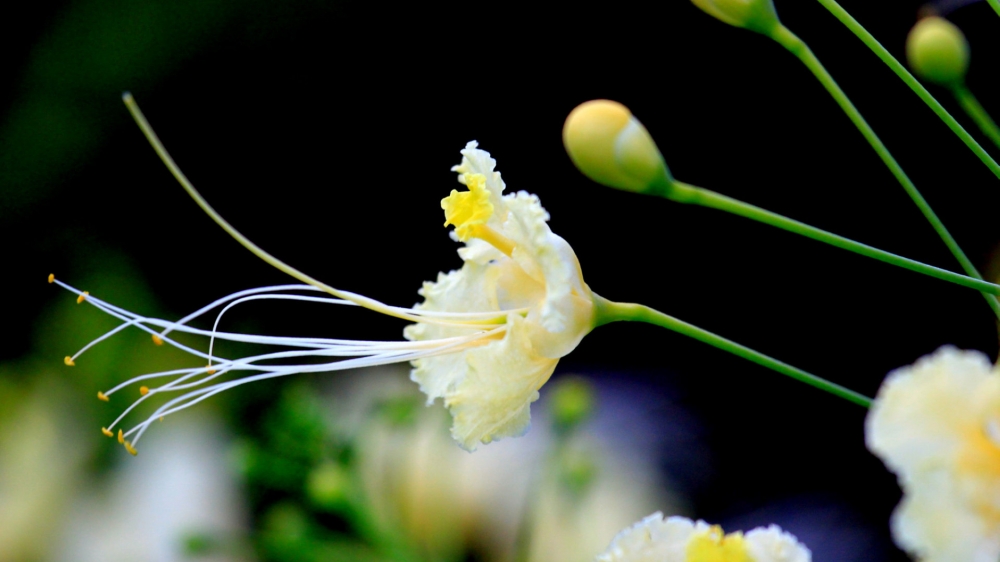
[
  {"x": 328, "y": 485},
  {"x": 938, "y": 52},
  {"x": 755, "y": 15},
  {"x": 610, "y": 146}
]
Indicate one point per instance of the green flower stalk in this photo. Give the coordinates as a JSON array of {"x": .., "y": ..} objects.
[
  {"x": 882, "y": 53},
  {"x": 783, "y": 36},
  {"x": 600, "y": 117},
  {"x": 939, "y": 53}
]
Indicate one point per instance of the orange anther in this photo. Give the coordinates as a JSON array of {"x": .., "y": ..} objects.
[
  {"x": 107, "y": 432},
  {"x": 101, "y": 396},
  {"x": 82, "y": 297},
  {"x": 143, "y": 390},
  {"x": 68, "y": 361},
  {"x": 52, "y": 278},
  {"x": 157, "y": 340},
  {"x": 131, "y": 450},
  {"x": 210, "y": 370}
]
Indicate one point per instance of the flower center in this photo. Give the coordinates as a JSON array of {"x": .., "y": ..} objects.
[
  {"x": 469, "y": 211},
  {"x": 713, "y": 546}
]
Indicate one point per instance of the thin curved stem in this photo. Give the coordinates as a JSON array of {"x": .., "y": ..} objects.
[
  {"x": 996, "y": 5},
  {"x": 918, "y": 88},
  {"x": 630, "y": 312},
  {"x": 686, "y": 193},
  {"x": 977, "y": 112},
  {"x": 796, "y": 46}
]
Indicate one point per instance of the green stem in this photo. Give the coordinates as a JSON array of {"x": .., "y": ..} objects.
[
  {"x": 608, "y": 311},
  {"x": 996, "y": 5},
  {"x": 890, "y": 61},
  {"x": 976, "y": 111},
  {"x": 686, "y": 193},
  {"x": 796, "y": 46}
]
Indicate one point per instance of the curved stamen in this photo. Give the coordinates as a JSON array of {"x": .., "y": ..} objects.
[{"x": 204, "y": 393}]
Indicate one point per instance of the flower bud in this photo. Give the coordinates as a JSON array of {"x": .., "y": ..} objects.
[
  {"x": 938, "y": 52},
  {"x": 755, "y": 15},
  {"x": 572, "y": 403},
  {"x": 610, "y": 146}
]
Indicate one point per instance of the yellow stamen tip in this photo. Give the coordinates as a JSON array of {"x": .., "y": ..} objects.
[
  {"x": 121, "y": 437},
  {"x": 161, "y": 418},
  {"x": 143, "y": 390},
  {"x": 157, "y": 340},
  {"x": 102, "y": 397},
  {"x": 107, "y": 432},
  {"x": 131, "y": 450},
  {"x": 82, "y": 297},
  {"x": 68, "y": 361},
  {"x": 52, "y": 278},
  {"x": 210, "y": 370}
]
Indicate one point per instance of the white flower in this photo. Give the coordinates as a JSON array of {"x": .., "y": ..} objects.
[
  {"x": 512, "y": 262},
  {"x": 936, "y": 424},
  {"x": 678, "y": 539},
  {"x": 486, "y": 338}
]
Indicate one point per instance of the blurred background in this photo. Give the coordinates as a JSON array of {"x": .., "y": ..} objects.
[{"x": 325, "y": 131}]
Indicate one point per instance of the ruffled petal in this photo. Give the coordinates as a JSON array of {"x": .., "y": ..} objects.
[
  {"x": 470, "y": 289},
  {"x": 493, "y": 398},
  {"x": 934, "y": 523},
  {"x": 771, "y": 544},
  {"x": 654, "y": 539},
  {"x": 476, "y": 161},
  {"x": 566, "y": 312}
]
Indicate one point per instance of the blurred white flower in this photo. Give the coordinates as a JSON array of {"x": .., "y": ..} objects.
[
  {"x": 181, "y": 490},
  {"x": 42, "y": 452},
  {"x": 678, "y": 539},
  {"x": 936, "y": 424},
  {"x": 507, "y": 502}
]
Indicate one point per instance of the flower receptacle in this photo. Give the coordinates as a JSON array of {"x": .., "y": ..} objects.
[{"x": 755, "y": 15}]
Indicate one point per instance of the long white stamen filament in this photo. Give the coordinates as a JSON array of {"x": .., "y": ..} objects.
[
  {"x": 191, "y": 381},
  {"x": 131, "y": 318},
  {"x": 196, "y": 396}
]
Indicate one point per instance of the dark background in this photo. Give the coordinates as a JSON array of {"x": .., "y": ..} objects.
[{"x": 325, "y": 132}]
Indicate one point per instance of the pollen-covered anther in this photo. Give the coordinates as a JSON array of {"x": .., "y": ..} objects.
[
  {"x": 128, "y": 447},
  {"x": 68, "y": 361},
  {"x": 209, "y": 370},
  {"x": 52, "y": 278},
  {"x": 121, "y": 437},
  {"x": 102, "y": 397},
  {"x": 157, "y": 340},
  {"x": 107, "y": 432},
  {"x": 82, "y": 297},
  {"x": 143, "y": 390}
]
